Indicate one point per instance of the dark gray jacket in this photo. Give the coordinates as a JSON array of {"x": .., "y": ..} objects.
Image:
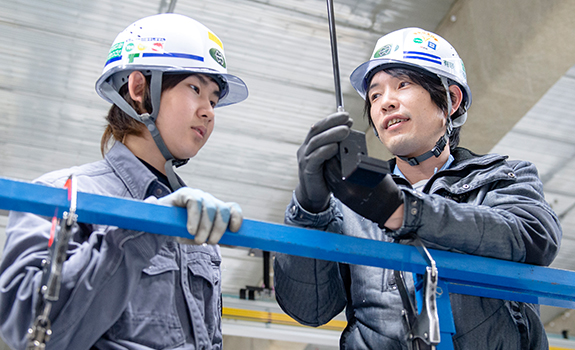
[
  {"x": 121, "y": 289},
  {"x": 481, "y": 205}
]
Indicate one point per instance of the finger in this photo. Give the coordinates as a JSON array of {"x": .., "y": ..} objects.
[
  {"x": 336, "y": 119},
  {"x": 220, "y": 224},
  {"x": 331, "y": 136},
  {"x": 206, "y": 220},
  {"x": 236, "y": 217},
  {"x": 315, "y": 161},
  {"x": 194, "y": 211}
]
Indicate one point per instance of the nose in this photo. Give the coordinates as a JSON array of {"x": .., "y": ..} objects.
[
  {"x": 206, "y": 110},
  {"x": 389, "y": 101}
]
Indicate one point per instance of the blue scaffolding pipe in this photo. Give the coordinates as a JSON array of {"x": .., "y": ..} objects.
[{"x": 463, "y": 274}]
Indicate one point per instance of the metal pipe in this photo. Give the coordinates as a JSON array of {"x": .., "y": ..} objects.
[
  {"x": 334, "y": 56},
  {"x": 465, "y": 274}
]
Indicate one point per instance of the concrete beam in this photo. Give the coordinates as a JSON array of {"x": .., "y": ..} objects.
[{"x": 514, "y": 51}]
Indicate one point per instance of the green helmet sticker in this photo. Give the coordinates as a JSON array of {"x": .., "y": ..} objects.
[
  {"x": 132, "y": 56},
  {"x": 418, "y": 40},
  {"x": 129, "y": 47},
  {"x": 384, "y": 51},
  {"x": 116, "y": 50},
  {"x": 218, "y": 56}
]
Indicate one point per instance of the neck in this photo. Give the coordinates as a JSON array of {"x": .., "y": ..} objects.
[
  {"x": 425, "y": 169},
  {"x": 145, "y": 148}
]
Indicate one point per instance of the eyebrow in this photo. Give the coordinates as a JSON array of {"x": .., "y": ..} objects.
[{"x": 205, "y": 81}]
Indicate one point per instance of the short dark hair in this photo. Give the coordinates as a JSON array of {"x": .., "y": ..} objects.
[
  {"x": 121, "y": 124},
  {"x": 432, "y": 84}
]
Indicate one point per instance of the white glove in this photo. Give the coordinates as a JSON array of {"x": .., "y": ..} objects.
[{"x": 208, "y": 217}]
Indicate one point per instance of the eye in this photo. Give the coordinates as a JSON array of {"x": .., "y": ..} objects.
[
  {"x": 374, "y": 96},
  {"x": 403, "y": 84},
  {"x": 213, "y": 104},
  {"x": 195, "y": 88}
]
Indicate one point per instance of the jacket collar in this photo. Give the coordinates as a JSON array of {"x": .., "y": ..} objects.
[{"x": 135, "y": 175}]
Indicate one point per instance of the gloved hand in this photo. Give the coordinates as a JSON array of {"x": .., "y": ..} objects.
[
  {"x": 208, "y": 217},
  {"x": 320, "y": 145},
  {"x": 376, "y": 203}
]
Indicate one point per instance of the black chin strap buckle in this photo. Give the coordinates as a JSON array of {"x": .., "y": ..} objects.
[
  {"x": 439, "y": 146},
  {"x": 435, "y": 151}
]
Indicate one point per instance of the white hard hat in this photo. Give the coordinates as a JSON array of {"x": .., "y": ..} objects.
[
  {"x": 419, "y": 49},
  {"x": 170, "y": 43}
]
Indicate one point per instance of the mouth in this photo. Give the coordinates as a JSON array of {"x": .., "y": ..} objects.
[
  {"x": 394, "y": 121},
  {"x": 200, "y": 130}
]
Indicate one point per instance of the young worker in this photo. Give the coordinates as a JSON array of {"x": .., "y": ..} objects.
[
  {"x": 122, "y": 289},
  {"x": 416, "y": 97}
]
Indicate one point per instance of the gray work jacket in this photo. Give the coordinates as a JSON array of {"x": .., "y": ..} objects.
[
  {"x": 481, "y": 205},
  {"x": 120, "y": 288}
]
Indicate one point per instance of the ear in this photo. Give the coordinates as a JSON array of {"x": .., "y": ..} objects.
[
  {"x": 137, "y": 86},
  {"x": 455, "y": 102}
]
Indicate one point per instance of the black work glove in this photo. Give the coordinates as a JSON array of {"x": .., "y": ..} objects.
[
  {"x": 321, "y": 144},
  {"x": 375, "y": 203}
]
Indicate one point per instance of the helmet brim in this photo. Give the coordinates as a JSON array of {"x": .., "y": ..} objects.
[{"x": 234, "y": 91}]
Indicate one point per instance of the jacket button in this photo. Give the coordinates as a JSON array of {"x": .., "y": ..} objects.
[
  {"x": 158, "y": 191},
  {"x": 511, "y": 175},
  {"x": 413, "y": 211},
  {"x": 465, "y": 186}
]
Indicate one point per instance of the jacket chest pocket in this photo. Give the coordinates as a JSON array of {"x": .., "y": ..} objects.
[
  {"x": 204, "y": 284},
  {"x": 151, "y": 310}
]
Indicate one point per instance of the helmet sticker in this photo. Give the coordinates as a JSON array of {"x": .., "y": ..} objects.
[
  {"x": 215, "y": 39},
  {"x": 448, "y": 64},
  {"x": 218, "y": 56},
  {"x": 384, "y": 51},
  {"x": 145, "y": 45},
  {"x": 115, "y": 52},
  {"x": 426, "y": 40},
  {"x": 417, "y": 55},
  {"x": 132, "y": 56}
]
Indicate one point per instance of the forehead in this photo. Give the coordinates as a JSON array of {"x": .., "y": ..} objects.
[
  {"x": 206, "y": 81},
  {"x": 203, "y": 79},
  {"x": 390, "y": 74}
]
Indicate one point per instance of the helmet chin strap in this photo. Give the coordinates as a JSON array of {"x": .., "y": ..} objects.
[
  {"x": 440, "y": 144},
  {"x": 149, "y": 120}
]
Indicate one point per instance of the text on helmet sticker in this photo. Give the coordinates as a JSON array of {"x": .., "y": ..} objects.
[{"x": 424, "y": 36}]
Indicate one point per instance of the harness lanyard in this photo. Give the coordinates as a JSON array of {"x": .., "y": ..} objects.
[
  {"x": 423, "y": 328},
  {"x": 41, "y": 329}
]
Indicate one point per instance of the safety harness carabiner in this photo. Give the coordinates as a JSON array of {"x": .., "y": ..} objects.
[
  {"x": 40, "y": 331},
  {"x": 423, "y": 328}
]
